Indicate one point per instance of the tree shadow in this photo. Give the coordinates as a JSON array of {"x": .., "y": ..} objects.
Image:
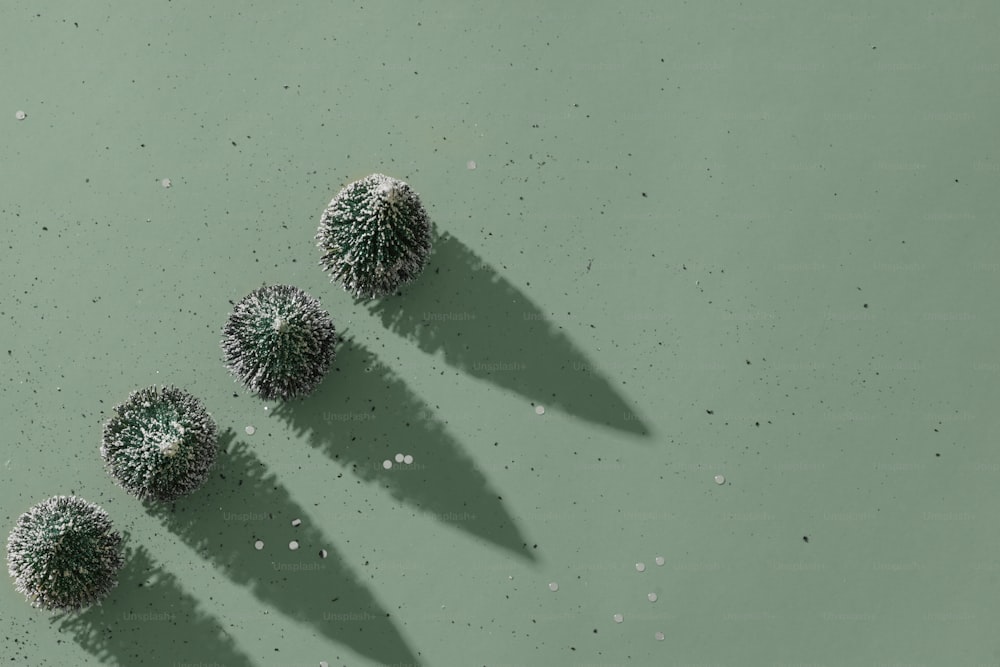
[
  {"x": 376, "y": 416},
  {"x": 486, "y": 327},
  {"x": 149, "y": 619},
  {"x": 303, "y": 584}
]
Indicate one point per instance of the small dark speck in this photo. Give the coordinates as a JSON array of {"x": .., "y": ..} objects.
[
  {"x": 233, "y": 143},
  {"x": 866, "y": 305},
  {"x": 711, "y": 412},
  {"x": 644, "y": 194},
  {"x": 45, "y": 229},
  {"x": 805, "y": 538},
  {"x": 938, "y": 454}
]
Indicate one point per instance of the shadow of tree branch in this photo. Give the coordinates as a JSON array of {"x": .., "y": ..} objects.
[
  {"x": 321, "y": 592},
  {"x": 149, "y": 619},
  {"x": 363, "y": 413},
  {"x": 486, "y": 327}
]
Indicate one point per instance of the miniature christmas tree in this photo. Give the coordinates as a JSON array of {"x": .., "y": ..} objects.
[
  {"x": 279, "y": 342},
  {"x": 375, "y": 236},
  {"x": 160, "y": 443},
  {"x": 63, "y": 554}
]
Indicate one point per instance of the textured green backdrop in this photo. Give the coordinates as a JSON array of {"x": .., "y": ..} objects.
[{"x": 750, "y": 239}]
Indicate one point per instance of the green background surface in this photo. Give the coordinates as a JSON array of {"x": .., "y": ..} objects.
[{"x": 756, "y": 239}]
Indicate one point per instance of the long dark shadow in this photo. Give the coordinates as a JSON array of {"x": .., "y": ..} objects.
[
  {"x": 486, "y": 327},
  {"x": 363, "y": 414},
  {"x": 149, "y": 619},
  {"x": 242, "y": 503}
]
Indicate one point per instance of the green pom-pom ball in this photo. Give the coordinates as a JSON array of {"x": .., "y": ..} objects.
[
  {"x": 63, "y": 554},
  {"x": 160, "y": 443},
  {"x": 375, "y": 236},
  {"x": 279, "y": 342}
]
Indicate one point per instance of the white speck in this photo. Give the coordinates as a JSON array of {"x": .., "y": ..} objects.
[
  {"x": 471, "y": 164},
  {"x": 660, "y": 560},
  {"x": 539, "y": 410},
  {"x": 165, "y": 182},
  {"x": 619, "y": 618},
  {"x": 265, "y": 408},
  {"x": 322, "y": 553},
  {"x": 407, "y": 459},
  {"x": 250, "y": 430},
  {"x": 659, "y": 636},
  {"x": 399, "y": 458},
  {"x": 640, "y": 567},
  {"x": 553, "y": 586},
  {"x": 296, "y": 522},
  {"x": 293, "y": 545},
  {"x": 719, "y": 479},
  {"x": 387, "y": 464},
  {"x": 324, "y": 663},
  {"x": 258, "y": 545},
  {"x": 20, "y": 115},
  {"x": 510, "y": 577},
  {"x": 651, "y": 597}
]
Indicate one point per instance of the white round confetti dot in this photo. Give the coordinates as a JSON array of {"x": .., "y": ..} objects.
[
  {"x": 553, "y": 586},
  {"x": 258, "y": 545},
  {"x": 651, "y": 597},
  {"x": 659, "y": 636},
  {"x": 640, "y": 567},
  {"x": 322, "y": 553},
  {"x": 660, "y": 560},
  {"x": 407, "y": 459},
  {"x": 719, "y": 479},
  {"x": 619, "y": 618},
  {"x": 20, "y": 115},
  {"x": 387, "y": 464},
  {"x": 539, "y": 410},
  {"x": 399, "y": 458},
  {"x": 471, "y": 164},
  {"x": 293, "y": 545},
  {"x": 250, "y": 430},
  {"x": 165, "y": 182},
  {"x": 296, "y": 522}
]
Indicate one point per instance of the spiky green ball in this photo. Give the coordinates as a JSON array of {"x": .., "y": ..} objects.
[
  {"x": 64, "y": 554},
  {"x": 160, "y": 443},
  {"x": 375, "y": 236},
  {"x": 279, "y": 342}
]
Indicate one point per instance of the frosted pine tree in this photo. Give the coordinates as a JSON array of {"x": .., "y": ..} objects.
[
  {"x": 64, "y": 554},
  {"x": 375, "y": 236}
]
